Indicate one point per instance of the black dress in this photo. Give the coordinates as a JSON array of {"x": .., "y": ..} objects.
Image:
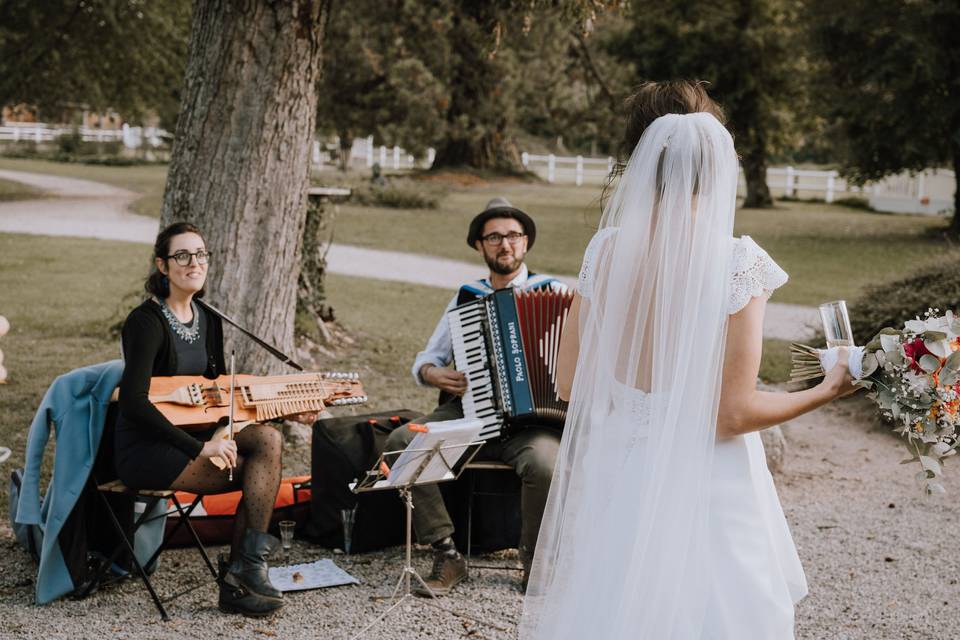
[{"x": 150, "y": 452}]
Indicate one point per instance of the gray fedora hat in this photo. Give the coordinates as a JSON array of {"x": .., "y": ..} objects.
[{"x": 501, "y": 208}]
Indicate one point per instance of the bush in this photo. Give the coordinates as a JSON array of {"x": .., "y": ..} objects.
[
  {"x": 854, "y": 202},
  {"x": 892, "y": 304},
  {"x": 69, "y": 144},
  {"x": 396, "y": 195}
]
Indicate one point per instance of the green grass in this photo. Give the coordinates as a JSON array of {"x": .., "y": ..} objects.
[
  {"x": 10, "y": 190},
  {"x": 147, "y": 180},
  {"x": 829, "y": 251}
]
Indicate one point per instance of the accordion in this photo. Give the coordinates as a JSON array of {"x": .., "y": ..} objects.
[{"x": 507, "y": 344}]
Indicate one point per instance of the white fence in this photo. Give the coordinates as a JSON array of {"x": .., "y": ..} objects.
[
  {"x": 929, "y": 192},
  {"x": 131, "y": 137}
]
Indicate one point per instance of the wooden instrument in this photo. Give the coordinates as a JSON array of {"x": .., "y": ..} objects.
[
  {"x": 198, "y": 402},
  {"x": 507, "y": 345}
]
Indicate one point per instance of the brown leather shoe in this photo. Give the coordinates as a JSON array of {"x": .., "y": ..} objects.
[{"x": 448, "y": 572}]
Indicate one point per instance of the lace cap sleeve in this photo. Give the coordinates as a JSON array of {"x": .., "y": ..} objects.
[
  {"x": 753, "y": 273},
  {"x": 591, "y": 260}
]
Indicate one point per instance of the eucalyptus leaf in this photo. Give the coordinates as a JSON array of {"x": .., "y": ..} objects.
[
  {"x": 922, "y": 477},
  {"x": 889, "y": 342},
  {"x": 939, "y": 348},
  {"x": 955, "y": 325},
  {"x": 953, "y": 361},
  {"x": 889, "y": 331},
  {"x": 929, "y": 363},
  {"x": 940, "y": 449},
  {"x": 949, "y": 376},
  {"x": 915, "y": 326},
  {"x": 935, "y": 488},
  {"x": 870, "y": 364}
]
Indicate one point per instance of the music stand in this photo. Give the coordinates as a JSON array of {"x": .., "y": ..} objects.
[{"x": 432, "y": 457}]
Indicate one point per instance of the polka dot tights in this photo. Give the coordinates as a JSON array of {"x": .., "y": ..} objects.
[{"x": 257, "y": 474}]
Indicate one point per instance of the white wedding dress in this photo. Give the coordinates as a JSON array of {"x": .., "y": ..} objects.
[{"x": 654, "y": 528}]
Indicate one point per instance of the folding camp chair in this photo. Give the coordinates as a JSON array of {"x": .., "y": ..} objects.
[
  {"x": 151, "y": 498},
  {"x": 470, "y": 471}
]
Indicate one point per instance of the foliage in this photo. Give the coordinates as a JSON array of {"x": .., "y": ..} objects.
[
  {"x": 395, "y": 195},
  {"x": 453, "y": 74},
  {"x": 126, "y": 55},
  {"x": 888, "y": 81},
  {"x": 892, "y": 304},
  {"x": 374, "y": 80},
  {"x": 745, "y": 50}
]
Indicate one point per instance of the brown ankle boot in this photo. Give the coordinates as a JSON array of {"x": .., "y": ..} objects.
[{"x": 449, "y": 570}]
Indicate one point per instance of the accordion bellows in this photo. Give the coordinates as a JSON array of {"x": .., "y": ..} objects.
[{"x": 507, "y": 345}]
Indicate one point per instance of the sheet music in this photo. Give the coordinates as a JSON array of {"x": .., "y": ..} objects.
[
  {"x": 453, "y": 436},
  {"x": 312, "y": 575}
]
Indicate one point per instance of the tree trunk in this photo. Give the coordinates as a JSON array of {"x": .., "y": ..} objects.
[
  {"x": 479, "y": 117},
  {"x": 492, "y": 151},
  {"x": 755, "y": 171},
  {"x": 241, "y": 158},
  {"x": 317, "y": 238},
  {"x": 955, "y": 221},
  {"x": 346, "y": 150}
]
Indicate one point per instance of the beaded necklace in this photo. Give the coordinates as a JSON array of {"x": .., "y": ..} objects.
[{"x": 188, "y": 333}]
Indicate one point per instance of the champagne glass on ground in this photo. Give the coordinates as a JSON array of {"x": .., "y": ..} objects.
[
  {"x": 286, "y": 537},
  {"x": 348, "y": 517},
  {"x": 836, "y": 324}
]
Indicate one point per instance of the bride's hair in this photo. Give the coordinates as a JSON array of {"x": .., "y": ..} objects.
[
  {"x": 648, "y": 102},
  {"x": 651, "y": 100}
]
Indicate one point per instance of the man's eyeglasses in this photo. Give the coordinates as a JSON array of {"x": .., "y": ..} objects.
[
  {"x": 184, "y": 258},
  {"x": 495, "y": 239}
]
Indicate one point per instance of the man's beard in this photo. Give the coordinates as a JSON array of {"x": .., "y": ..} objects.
[{"x": 500, "y": 268}]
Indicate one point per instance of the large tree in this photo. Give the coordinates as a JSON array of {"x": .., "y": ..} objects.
[
  {"x": 375, "y": 81},
  {"x": 126, "y": 55},
  {"x": 888, "y": 83},
  {"x": 745, "y": 49},
  {"x": 240, "y": 158}
]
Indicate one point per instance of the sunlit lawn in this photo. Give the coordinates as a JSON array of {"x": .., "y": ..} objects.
[
  {"x": 147, "y": 180},
  {"x": 62, "y": 295},
  {"x": 17, "y": 191},
  {"x": 829, "y": 251}
]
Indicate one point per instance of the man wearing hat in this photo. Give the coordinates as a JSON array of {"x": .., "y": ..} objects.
[{"x": 502, "y": 234}]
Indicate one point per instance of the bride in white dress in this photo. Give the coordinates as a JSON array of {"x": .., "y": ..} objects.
[{"x": 663, "y": 522}]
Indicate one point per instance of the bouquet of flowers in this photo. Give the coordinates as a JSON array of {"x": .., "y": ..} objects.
[{"x": 913, "y": 374}]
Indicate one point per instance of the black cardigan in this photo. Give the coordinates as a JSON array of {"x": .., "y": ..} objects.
[{"x": 148, "y": 351}]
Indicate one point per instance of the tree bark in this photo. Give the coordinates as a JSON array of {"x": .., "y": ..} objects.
[
  {"x": 755, "y": 171},
  {"x": 346, "y": 150},
  {"x": 241, "y": 158},
  {"x": 955, "y": 152},
  {"x": 479, "y": 118}
]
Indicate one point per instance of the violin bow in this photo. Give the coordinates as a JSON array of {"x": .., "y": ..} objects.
[
  {"x": 284, "y": 358},
  {"x": 233, "y": 385}
]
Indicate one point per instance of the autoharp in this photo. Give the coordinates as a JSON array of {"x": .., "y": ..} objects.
[
  {"x": 507, "y": 344},
  {"x": 195, "y": 401}
]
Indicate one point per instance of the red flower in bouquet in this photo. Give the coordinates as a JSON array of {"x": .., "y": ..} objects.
[{"x": 914, "y": 350}]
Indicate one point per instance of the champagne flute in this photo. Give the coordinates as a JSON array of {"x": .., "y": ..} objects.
[{"x": 836, "y": 324}]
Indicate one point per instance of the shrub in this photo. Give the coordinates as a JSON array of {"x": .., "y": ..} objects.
[
  {"x": 893, "y": 303},
  {"x": 396, "y": 195},
  {"x": 69, "y": 144},
  {"x": 854, "y": 202}
]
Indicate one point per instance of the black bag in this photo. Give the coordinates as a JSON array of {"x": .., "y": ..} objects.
[{"x": 343, "y": 450}]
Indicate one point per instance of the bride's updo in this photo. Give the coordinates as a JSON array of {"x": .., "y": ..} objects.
[{"x": 654, "y": 99}]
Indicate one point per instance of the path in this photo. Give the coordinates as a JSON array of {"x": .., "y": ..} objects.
[{"x": 94, "y": 210}]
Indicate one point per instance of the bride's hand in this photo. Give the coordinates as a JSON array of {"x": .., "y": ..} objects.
[{"x": 838, "y": 382}]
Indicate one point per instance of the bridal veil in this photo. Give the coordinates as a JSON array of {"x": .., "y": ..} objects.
[{"x": 623, "y": 549}]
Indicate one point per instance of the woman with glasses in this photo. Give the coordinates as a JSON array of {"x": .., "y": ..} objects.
[{"x": 168, "y": 335}]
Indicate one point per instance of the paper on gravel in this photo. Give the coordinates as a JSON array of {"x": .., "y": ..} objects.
[{"x": 312, "y": 575}]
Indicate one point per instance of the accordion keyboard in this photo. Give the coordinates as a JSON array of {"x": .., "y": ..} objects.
[{"x": 472, "y": 359}]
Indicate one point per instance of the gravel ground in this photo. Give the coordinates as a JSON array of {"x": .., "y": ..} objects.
[{"x": 879, "y": 558}]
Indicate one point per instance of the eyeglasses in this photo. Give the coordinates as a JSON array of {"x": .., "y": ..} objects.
[
  {"x": 495, "y": 239},
  {"x": 184, "y": 258}
]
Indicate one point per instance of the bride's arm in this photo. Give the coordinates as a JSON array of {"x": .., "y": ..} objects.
[
  {"x": 743, "y": 408},
  {"x": 569, "y": 350}
]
